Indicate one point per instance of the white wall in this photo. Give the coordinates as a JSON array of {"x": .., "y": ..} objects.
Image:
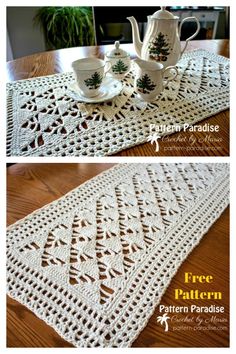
[{"x": 25, "y": 38}]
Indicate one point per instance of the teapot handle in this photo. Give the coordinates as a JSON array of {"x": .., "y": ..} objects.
[{"x": 193, "y": 35}]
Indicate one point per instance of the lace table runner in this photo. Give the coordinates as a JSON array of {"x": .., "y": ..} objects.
[
  {"x": 45, "y": 119},
  {"x": 95, "y": 263}
]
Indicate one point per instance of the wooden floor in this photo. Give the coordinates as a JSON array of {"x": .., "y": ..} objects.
[{"x": 30, "y": 186}]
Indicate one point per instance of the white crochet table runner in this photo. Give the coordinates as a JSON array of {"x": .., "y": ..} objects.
[
  {"x": 95, "y": 263},
  {"x": 45, "y": 120}
]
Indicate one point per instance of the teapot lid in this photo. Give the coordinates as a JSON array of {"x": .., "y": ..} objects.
[
  {"x": 117, "y": 52},
  {"x": 163, "y": 14}
]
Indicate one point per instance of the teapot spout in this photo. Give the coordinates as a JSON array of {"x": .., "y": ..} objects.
[{"x": 135, "y": 34}]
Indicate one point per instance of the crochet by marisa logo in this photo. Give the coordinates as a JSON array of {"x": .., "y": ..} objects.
[
  {"x": 153, "y": 138},
  {"x": 156, "y": 132},
  {"x": 163, "y": 321}
]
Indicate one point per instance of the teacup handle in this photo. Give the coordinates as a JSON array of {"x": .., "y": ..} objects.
[
  {"x": 171, "y": 78},
  {"x": 106, "y": 70},
  {"x": 193, "y": 35}
]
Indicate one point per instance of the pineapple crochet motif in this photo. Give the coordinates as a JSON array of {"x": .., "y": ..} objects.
[{"x": 95, "y": 263}]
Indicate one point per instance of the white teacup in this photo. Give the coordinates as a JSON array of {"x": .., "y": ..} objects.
[{"x": 89, "y": 73}]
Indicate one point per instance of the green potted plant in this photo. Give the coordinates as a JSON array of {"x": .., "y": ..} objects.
[{"x": 66, "y": 26}]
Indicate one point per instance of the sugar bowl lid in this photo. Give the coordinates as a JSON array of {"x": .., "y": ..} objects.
[
  {"x": 117, "y": 52},
  {"x": 163, "y": 14}
]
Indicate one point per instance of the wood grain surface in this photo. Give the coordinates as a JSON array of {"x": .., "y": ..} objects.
[
  {"x": 31, "y": 186},
  {"x": 48, "y": 63}
]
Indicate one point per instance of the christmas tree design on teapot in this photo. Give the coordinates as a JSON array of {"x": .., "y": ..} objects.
[{"x": 159, "y": 48}]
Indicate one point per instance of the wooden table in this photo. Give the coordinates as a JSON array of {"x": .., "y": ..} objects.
[
  {"x": 58, "y": 61},
  {"x": 30, "y": 186}
]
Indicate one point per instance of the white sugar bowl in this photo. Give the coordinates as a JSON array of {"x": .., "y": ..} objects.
[{"x": 119, "y": 60}]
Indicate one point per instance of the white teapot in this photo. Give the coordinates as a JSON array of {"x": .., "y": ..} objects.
[{"x": 162, "y": 38}]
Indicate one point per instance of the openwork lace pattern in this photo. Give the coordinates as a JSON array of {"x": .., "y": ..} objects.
[
  {"x": 95, "y": 263},
  {"x": 45, "y": 119}
]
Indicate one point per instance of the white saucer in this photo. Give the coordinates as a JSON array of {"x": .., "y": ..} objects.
[{"x": 109, "y": 89}]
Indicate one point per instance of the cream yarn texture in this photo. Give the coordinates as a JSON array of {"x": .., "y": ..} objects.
[
  {"x": 95, "y": 263},
  {"x": 44, "y": 117}
]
